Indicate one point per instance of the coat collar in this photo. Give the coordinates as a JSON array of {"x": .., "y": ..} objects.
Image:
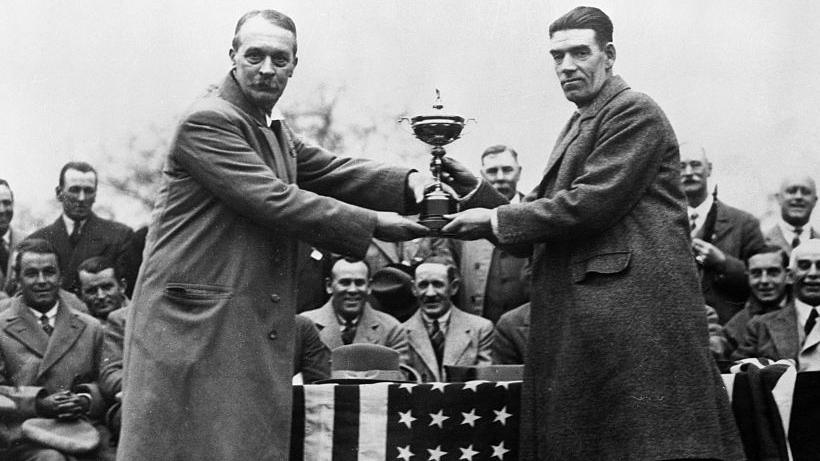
[
  {"x": 456, "y": 341},
  {"x": 611, "y": 88},
  {"x": 784, "y": 331},
  {"x": 231, "y": 92},
  {"x": 368, "y": 329}
]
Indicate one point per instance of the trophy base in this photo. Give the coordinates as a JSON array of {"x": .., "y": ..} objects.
[
  {"x": 433, "y": 208},
  {"x": 435, "y": 223}
]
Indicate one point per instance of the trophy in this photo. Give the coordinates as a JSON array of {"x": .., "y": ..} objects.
[{"x": 436, "y": 129}]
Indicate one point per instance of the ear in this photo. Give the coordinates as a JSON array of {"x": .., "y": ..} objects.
[
  {"x": 58, "y": 191},
  {"x": 789, "y": 276},
  {"x": 123, "y": 285},
  {"x": 454, "y": 286},
  {"x": 295, "y": 62},
  {"x": 328, "y": 288},
  {"x": 609, "y": 49},
  {"x": 232, "y": 55}
]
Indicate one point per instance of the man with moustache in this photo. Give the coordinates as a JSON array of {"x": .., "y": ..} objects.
[
  {"x": 491, "y": 277},
  {"x": 791, "y": 332},
  {"x": 797, "y": 197},
  {"x": 619, "y": 367},
  {"x": 767, "y": 271},
  {"x": 79, "y": 233},
  {"x": 210, "y": 333},
  {"x": 348, "y": 318},
  {"x": 10, "y": 238},
  {"x": 733, "y": 235},
  {"x": 439, "y": 333}
]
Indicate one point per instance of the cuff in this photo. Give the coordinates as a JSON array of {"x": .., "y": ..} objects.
[
  {"x": 494, "y": 221},
  {"x": 471, "y": 193}
]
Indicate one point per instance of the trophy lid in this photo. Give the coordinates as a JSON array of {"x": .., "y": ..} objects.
[{"x": 437, "y": 128}]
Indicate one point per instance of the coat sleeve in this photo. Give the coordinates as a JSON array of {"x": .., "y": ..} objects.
[
  {"x": 213, "y": 149},
  {"x": 749, "y": 347},
  {"x": 111, "y": 371},
  {"x": 504, "y": 351},
  {"x": 485, "y": 344},
  {"x": 397, "y": 340},
  {"x": 732, "y": 280},
  {"x": 631, "y": 142},
  {"x": 314, "y": 362}
]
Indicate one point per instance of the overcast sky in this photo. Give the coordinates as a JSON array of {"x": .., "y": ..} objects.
[{"x": 738, "y": 77}]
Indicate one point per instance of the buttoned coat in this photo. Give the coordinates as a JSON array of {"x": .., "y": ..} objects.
[
  {"x": 33, "y": 361},
  {"x": 210, "y": 331},
  {"x": 468, "y": 342},
  {"x": 98, "y": 237},
  {"x": 737, "y": 234},
  {"x": 374, "y": 327},
  {"x": 510, "y": 336},
  {"x": 620, "y": 367}
]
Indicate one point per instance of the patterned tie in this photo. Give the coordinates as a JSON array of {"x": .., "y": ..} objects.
[
  {"x": 796, "y": 239},
  {"x": 437, "y": 340},
  {"x": 75, "y": 233},
  {"x": 693, "y": 221},
  {"x": 348, "y": 332},
  {"x": 810, "y": 322},
  {"x": 46, "y": 326}
]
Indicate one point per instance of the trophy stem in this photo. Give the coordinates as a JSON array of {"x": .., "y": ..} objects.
[{"x": 436, "y": 164}]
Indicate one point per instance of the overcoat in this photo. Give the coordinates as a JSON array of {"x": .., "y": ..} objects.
[
  {"x": 210, "y": 332},
  {"x": 620, "y": 368}
]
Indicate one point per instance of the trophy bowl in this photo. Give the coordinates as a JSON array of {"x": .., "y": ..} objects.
[{"x": 437, "y": 130}]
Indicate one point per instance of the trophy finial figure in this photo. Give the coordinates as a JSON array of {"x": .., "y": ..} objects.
[{"x": 437, "y": 104}]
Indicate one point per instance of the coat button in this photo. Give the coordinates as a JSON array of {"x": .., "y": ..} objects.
[
  {"x": 272, "y": 334},
  {"x": 275, "y": 298}
]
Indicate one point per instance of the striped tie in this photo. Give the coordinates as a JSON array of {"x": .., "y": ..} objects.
[
  {"x": 437, "y": 340},
  {"x": 46, "y": 326}
]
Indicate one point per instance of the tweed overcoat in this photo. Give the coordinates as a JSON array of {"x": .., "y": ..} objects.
[
  {"x": 619, "y": 368},
  {"x": 210, "y": 331}
]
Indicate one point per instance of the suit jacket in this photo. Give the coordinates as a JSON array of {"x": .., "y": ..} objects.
[
  {"x": 311, "y": 356},
  {"x": 374, "y": 327},
  {"x": 775, "y": 336},
  {"x": 737, "y": 234},
  {"x": 32, "y": 361},
  {"x": 99, "y": 237},
  {"x": 511, "y": 335},
  {"x": 476, "y": 262},
  {"x": 111, "y": 371},
  {"x": 735, "y": 329},
  {"x": 609, "y": 236},
  {"x": 216, "y": 295},
  {"x": 468, "y": 342},
  {"x": 7, "y": 283},
  {"x": 774, "y": 236}
]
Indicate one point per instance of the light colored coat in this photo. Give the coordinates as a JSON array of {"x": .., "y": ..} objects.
[
  {"x": 374, "y": 327},
  {"x": 618, "y": 365},
  {"x": 209, "y": 339},
  {"x": 7, "y": 285},
  {"x": 774, "y": 236},
  {"x": 468, "y": 342}
]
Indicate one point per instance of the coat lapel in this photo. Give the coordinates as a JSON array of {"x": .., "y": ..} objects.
[
  {"x": 784, "y": 332},
  {"x": 369, "y": 327},
  {"x": 458, "y": 338},
  {"x": 26, "y": 329},
  {"x": 723, "y": 224},
  {"x": 420, "y": 343},
  {"x": 67, "y": 329},
  {"x": 388, "y": 249},
  {"x": 328, "y": 327}
]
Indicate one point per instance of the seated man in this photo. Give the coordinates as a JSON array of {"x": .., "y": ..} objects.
[
  {"x": 311, "y": 356},
  {"x": 767, "y": 272},
  {"x": 348, "y": 318},
  {"x": 789, "y": 332},
  {"x": 510, "y": 336},
  {"x": 49, "y": 354},
  {"x": 439, "y": 333}
]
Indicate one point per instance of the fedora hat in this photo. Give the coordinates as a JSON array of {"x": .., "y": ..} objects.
[
  {"x": 364, "y": 363},
  {"x": 391, "y": 288},
  {"x": 74, "y": 437}
]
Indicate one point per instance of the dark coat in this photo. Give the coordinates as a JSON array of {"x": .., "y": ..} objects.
[
  {"x": 210, "y": 332},
  {"x": 511, "y": 335},
  {"x": 737, "y": 234},
  {"x": 620, "y": 367},
  {"x": 774, "y": 335},
  {"x": 311, "y": 357},
  {"x": 99, "y": 237}
]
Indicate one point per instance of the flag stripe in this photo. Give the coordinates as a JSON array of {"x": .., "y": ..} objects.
[
  {"x": 373, "y": 423},
  {"x": 297, "y": 426},
  {"x": 346, "y": 423},
  {"x": 319, "y": 410}
]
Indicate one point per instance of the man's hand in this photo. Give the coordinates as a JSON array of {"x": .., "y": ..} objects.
[
  {"x": 472, "y": 224},
  {"x": 708, "y": 255},
  {"x": 391, "y": 227},
  {"x": 62, "y": 405},
  {"x": 457, "y": 176}
]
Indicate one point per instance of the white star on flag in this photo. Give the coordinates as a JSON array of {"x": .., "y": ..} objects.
[
  {"x": 499, "y": 451},
  {"x": 405, "y": 453},
  {"x": 408, "y": 387},
  {"x": 472, "y": 385},
  {"x": 470, "y": 418},
  {"x": 468, "y": 453},
  {"x": 437, "y": 419},
  {"x": 501, "y": 416},
  {"x": 438, "y": 387},
  {"x": 436, "y": 454},
  {"x": 406, "y": 418}
]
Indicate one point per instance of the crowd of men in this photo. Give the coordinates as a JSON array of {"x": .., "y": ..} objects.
[{"x": 438, "y": 302}]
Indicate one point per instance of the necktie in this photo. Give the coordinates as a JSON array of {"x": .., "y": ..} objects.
[
  {"x": 46, "y": 326},
  {"x": 796, "y": 239},
  {"x": 810, "y": 322},
  {"x": 693, "y": 220},
  {"x": 348, "y": 332},
  {"x": 75, "y": 233},
  {"x": 437, "y": 340},
  {"x": 4, "y": 257}
]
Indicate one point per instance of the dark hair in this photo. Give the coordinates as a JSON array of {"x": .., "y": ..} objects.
[
  {"x": 34, "y": 245},
  {"x": 586, "y": 17},
  {"x": 768, "y": 248},
  {"x": 497, "y": 149},
  {"x": 97, "y": 264},
  {"x": 437, "y": 258},
  {"x": 3, "y": 182},
  {"x": 82, "y": 167},
  {"x": 272, "y": 16},
  {"x": 336, "y": 258}
]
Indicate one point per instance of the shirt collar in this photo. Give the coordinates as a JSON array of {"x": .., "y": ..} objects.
[
  {"x": 275, "y": 114},
  {"x": 443, "y": 321},
  {"x": 51, "y": 313},
  {"x": 342, "y": 320},
  {"x": 803, "y": 312},
  {"x": 69, "y": 223},
  {"x": 788, "y": 230},
  {"x": 7, "y": 238},
  {"x": 703, "y": 209},
  {"x": 516, "y": 198}
]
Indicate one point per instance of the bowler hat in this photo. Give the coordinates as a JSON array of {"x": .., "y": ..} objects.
[{"x": 75, "y": 437}]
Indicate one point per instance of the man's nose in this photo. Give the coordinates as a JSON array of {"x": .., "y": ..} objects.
[
  {"x": 100, "y": 293},
  {"x": 687, "y": 169},
  {"x": 267, "y": 67},
  {"x": 567, "y": 64}
]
